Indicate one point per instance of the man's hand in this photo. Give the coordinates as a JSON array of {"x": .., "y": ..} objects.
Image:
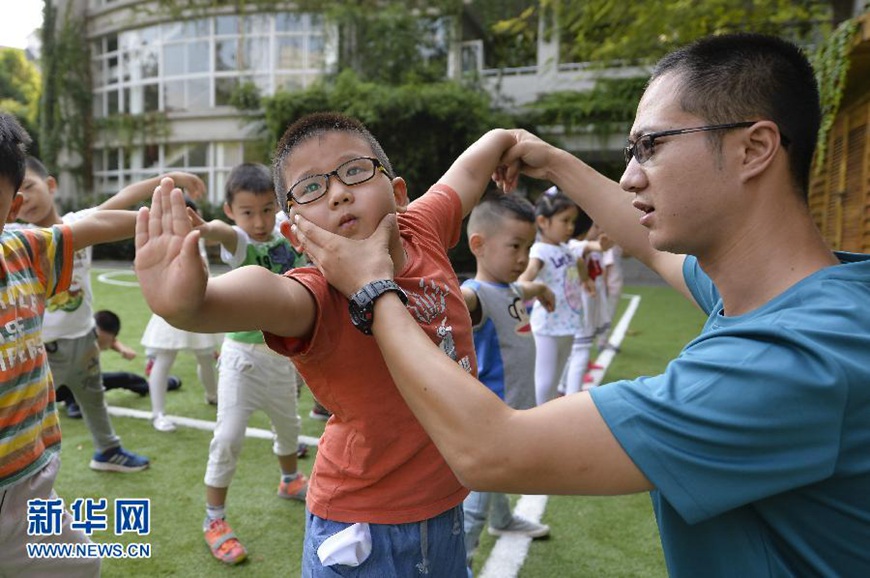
[
  {"x": 349, "y": 264},
  {"x": 171, "y": 271},
  {"x": 530, "y": 156}
]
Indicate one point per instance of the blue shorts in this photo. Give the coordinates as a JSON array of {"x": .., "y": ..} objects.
[{"x": 433, "y": 547}]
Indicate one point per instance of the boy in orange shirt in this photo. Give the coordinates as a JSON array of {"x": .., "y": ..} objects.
[{"x": 381, "y": 499}]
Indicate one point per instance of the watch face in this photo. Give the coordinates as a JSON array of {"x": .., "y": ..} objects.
[{"x": 362, "y": 303}]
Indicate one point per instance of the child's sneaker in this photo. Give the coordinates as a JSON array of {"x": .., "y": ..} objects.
[
  {"x": 223, "y": 542},
  {"x": 520, "y": 526},
  {"x": 296, "y": 489},
  {"x": 118, "y": 460},
  {"x": 163, "y": 423}
]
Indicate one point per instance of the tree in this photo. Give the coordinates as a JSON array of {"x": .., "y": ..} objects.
[
  {"x": 20, "y": 86},
  {"x": 606, "y": 31}
]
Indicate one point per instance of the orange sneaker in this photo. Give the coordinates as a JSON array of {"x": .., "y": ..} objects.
[
  {"x": 223, "y": 542},
  {"x": 295, "y": 489}
]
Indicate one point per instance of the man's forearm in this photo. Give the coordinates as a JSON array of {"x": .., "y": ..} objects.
[{"x": 446, "y": 400}]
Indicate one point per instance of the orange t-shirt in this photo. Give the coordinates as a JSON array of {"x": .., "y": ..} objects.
[{"x": 375, "y": 463}]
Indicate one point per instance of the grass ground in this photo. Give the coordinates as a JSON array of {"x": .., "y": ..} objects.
[{"x": 602, "y": 537}]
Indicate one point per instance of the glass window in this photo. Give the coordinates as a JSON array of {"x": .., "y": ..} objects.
[
  {"x": 173, "y": 59},
  {"x": 291, "y": 52},
  {"x": 223, "y": 90},
  {"x": 112, "y": 159},
  {"x": 256, "y": 55},
  {"x": 198, "y": 94},
  {"x": 152, "y": 98},
  {"x": 98, "y": 103},
  {"x": 227, "y": 25},
  {"x": 229, "y": 154},
  {"x": 226, "y": 54},
  {"x": 288, "y": 22},
  {"x": 316, "y": 51},
  {"x": 173, "y": 95},
  {"x": 175, "y": 156},
  {"x": 186, "y": 30},
  {"x": 197, "y": 155},
  {"x": 151, "y": 156},
  {"x": 99, "y": 161},
  {"x": 112, "y": 76},
  {"x": 257, "y": 24},
  {"x": 197, "y": 56},
  {"x": 112, "y": 102},
  {"x": 289, "y": 82}
]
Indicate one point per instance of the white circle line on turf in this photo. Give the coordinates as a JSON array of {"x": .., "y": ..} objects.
[
  {"x": 510, "y": 551},
  {"x": 108, "y": 277}
]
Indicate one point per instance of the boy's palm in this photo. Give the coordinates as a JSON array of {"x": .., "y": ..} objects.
[{"x": 168, "y": 264}]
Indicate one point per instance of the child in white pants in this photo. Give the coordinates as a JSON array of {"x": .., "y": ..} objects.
[{"x": 252, "y": 376}]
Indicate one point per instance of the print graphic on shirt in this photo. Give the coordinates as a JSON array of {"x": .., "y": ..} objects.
[
  {"x": 430, "y": 304},
  {"x": 573, "y": 288},
  {"x": 71, "y": 299},
  {"x": 447, "y": 343},
  {"x": 517, "y": 310},
  {"x": 15, "y": 350},
  {"x": 279, "y": 258}
]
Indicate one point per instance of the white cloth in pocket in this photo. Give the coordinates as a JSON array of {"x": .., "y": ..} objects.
[{"x": 350, "y": 547}]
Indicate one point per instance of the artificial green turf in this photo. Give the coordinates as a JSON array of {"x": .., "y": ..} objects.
[{"x": 605, "y": 537}]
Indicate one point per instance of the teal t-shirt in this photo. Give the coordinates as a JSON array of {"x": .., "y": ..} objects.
[
  {"x": 276, "y": 255},
  {"x": 757, "y": 436}
]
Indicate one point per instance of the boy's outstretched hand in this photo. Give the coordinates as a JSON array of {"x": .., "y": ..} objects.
[
  {"x": 349, "y": 264},
  {"x": 171, "y": 271}
]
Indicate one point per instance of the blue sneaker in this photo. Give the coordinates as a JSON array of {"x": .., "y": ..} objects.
[{"x": 118, "y": 460}]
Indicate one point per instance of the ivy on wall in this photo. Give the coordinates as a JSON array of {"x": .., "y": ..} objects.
[{"x": 831, "y": 63}]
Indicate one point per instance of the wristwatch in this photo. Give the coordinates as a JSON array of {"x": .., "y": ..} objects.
[{"x": 362, "y": 303}]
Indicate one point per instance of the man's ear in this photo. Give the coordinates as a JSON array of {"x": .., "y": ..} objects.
[
  {"x": 286, "y": 228},
  {"x": 476, "y": 241},
  {"x": 400, "y": 194},
  {"x": 14, "y": 207},
  {"x": 761, "y": 144}
]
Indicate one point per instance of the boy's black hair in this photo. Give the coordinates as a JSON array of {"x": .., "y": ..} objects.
[
  {"x": 313, "y": 125},
  {"x": 551, "y": 202},
  {"x": 108, "y": 321},
  {"x": 34, "y": 165},
  {"x": 252, "y": 177},
  {"x": 14, "y": 141},
  {"x": 496, "y": 206},
  {"x": 744, "y": 76},
  {"x": 190, "y": 204}
]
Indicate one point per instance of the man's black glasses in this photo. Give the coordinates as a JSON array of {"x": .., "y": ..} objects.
[
  {"x": 644, "y": 147},
  {"x": 353, "y": 172}
]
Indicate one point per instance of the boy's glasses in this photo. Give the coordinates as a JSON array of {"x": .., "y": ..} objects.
[
  {"x": 643, "y": 148},
  {"x": 353, "y": 172}
]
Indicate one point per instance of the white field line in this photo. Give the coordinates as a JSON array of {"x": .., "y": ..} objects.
[
  {"x": 251, "y": 432},
  {"x": 509, "y": 552}
]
